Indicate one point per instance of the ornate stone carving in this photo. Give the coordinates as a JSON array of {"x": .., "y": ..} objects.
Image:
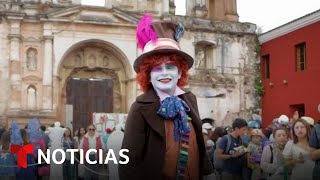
[
  {"x": 32, "y": 59},
  {"x": 105, "y": 61},
  {"x": 200, "y": 59},
  {"x": 77, "y": 61},
  {"x": 91, "y": 61},
  {"x": 210, "y": 77}
]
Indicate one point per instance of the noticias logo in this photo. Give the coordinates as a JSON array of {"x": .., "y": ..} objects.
[{"x": 23, "y": 151}]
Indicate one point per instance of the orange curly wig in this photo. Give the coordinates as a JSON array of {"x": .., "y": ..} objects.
[{"x": 143, "y": 77}]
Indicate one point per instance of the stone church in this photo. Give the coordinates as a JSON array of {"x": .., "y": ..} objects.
[{"x": 62, "y": 61}]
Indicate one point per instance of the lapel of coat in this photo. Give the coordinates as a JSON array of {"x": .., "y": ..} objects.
[
  {"x": 193, "y": 112},
  {"x": 150, "y": 103}
]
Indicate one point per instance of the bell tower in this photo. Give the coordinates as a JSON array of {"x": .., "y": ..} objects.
[{"x": 221, "y": 10}]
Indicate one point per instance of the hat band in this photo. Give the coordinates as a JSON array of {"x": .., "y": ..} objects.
[{"x": 161, "y": 43}]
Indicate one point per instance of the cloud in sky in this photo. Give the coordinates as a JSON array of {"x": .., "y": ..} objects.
[
  {"x": 269, "y": 14},
  {"x": 93, "y": 2}
]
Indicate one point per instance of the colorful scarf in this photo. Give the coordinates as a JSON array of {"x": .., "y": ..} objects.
[{"x": 174, "y": 108}]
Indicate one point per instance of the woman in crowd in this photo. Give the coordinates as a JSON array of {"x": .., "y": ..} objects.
[
  {"x": 68, "y": 143},
  {"x": 217, "y": 134},
  {"x": 91, "y": 141},
  {"x": 297, "y": 152},
  {"x": 272, "y": 160},
  {"x": 79, "y": 135},
  {"x": 7, "y": 162},
  {"x": 78, "y": 138}
]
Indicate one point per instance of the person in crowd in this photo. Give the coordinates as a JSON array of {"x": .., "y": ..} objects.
[
  {"x": 228, "y": 130},
  {"x": 35, "y": 136},
  {"x": 255, "y": 148},
  {"x": 207, "y": 136},
  {"x": 7, "y": 161},
  {"x": 297, "y": 152},
  {"x": 78, "y": 138},
  {"x": 217, "y": 134},
  {"x": 163, "y": 130},
  {"x": 91, "y": 141},
  {"x": 309, "y": 120},
  {"x": 232, "y": 153},
  {"x": 209, "y": 120},
  {"x": 269, "y": 130},
  {"x": 252, "y": 124},
  {"x": 314, "y": 143},
  {"x": 44, "y": 136},
  {"x": 2, "y": 130},
  {"x": 75, "y": 133},
  {"x": 69, "y": 171},
  {"x": 114, "y": 143},
  {"x": 106, "y": 137},
  {"x": 29, "y": 172},
  {"x": 282, "y": 121},
  {"x": 272, "y": 160}
]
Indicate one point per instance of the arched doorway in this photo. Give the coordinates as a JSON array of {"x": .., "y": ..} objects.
[{"x": 92, "y": 79}]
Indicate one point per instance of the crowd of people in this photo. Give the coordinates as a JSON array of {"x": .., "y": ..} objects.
[
  {"x": 39, "y": 136},
  {"x": 285, "y": 149}
]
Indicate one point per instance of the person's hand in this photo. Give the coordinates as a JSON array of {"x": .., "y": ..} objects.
[
  {"x": 300, "y": 158},
  {"x": 237, "y": 154}
]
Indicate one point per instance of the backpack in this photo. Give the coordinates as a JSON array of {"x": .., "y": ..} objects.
[
  {"x": 218, "y": 163},
  {"x": 271, "y": 158}
]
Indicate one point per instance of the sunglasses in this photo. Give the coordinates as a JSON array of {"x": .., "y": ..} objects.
[{"x": 92, "y": 129}]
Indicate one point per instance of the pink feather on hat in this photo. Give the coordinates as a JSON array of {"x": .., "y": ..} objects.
[{"x": 145, "y": 33}]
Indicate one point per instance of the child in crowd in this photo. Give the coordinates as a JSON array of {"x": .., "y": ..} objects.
[{"x": 255, "y": 151}]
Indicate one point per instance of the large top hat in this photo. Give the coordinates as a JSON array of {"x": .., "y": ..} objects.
[{"x": 159, "y": 37}]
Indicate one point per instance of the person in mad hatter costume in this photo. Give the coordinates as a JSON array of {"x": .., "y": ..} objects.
[{"x": 163, "y": 130}]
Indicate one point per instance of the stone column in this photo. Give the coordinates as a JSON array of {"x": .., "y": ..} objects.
[
  {"x": 15, "y": 65},
  {"x": 172, "y": 7},
  {"x": 47, "y": 75},
  {"x": 47, "y": 69},
  {"x": 231, "y": 10}
]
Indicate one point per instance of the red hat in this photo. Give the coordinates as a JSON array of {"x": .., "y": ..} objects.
[
  {"x": 108, "y": 130},
  {"x": 160, "y": 37}
]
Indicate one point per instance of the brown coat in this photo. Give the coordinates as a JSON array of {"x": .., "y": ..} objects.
[{"x": 144, "y": 137}]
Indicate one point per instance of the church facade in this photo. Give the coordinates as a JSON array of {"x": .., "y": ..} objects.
[{"x": 62, "y": 61}]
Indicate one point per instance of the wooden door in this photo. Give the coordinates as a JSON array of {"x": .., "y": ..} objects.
[{"x": 87, "y": 97}]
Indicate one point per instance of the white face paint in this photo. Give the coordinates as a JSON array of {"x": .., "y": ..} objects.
[{"x": 165, "y": 78}]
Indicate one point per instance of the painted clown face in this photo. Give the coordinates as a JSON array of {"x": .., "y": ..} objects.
[{"x": 165, "y": 77}]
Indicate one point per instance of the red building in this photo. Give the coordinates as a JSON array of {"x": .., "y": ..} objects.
[{"x": 290, "y": 68}]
